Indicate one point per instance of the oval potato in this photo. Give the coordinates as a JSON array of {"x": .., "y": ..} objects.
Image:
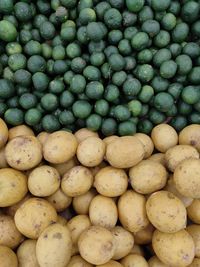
[
  {"x": 19, "y": 131},
  {"x": 147, "y": 143},
  {"x": 26, "y": 254},
  {"x": 81, "y": 203},
  {"x": 7, "y": 257},
  {"x": 194, "y": 231},
  {"x": 3, "y": 133},
  {"x": 134, "y": 260},
  {"x": 59, "y": 200},
  {"x": 190, "y": 135}
]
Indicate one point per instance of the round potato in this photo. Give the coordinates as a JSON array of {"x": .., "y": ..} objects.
[
  {"x": 59, "y": 200},
  {"x": 61, "y": 220},
  {"x": 190, "y": 135},
  {"x": 46, "y": 186},
  {"x": 7, "y": 257},
  {"x": 125, "y": 152},
  {"x": 194, "y": 231},
  {"x": 77, "y": 181},
  {"x": 20, "y": 130},
  {"x": 132, "y": 211},
  {"x": 96, "y": 245},
  {"x": 148, "y": 176},
  {"x": 3, "y": 133},
  {"x": 111, "y": 182},
  {"x": 111, "y": 264},
  {"x": 62, "y": 168},
  {"x": 42, "y": 137},
  {"x": 155, "y": 262},
  {"x": 91, "y": 151},
  {"x": 84, "y": 133},
  {"x": 193, "y": 211},
  {"x": 123, "y": 240},
  {"x": 81, "y": 203},
  {"x": 107, "y": 140},
  {"x": 144, "y": 236},
  {"x": 54, "y": 246},
  {"x": 60, "y": 147},
  {"x": 187, "y": 178},
  {"x": 34, "y": 216},
  {"x": 133, "y": 260},
  {"x": 11, "y": 210},
  {"x": 195, "y": 263},
  {"x": 78, "y": 261},
  {"x": 158, "y": 157},
  {"x": 164, "y": 136},
  {"x": 136, "y": 249},
  {"x": 175, "y": 249},
  {"x": 3, "y": 161},
  {"x": 103, "y": 212},
  {"x": 26, "y": 254},
  {"x": 29, "y": 152},
  {"x": 166, "y": 212},
  {"x": 177, "y": 154},
  {"x": 147, "y": 143},
  {"x": 13, "y": 186}
]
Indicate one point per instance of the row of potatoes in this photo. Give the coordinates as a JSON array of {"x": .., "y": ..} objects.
[{"x": 81, "y": 201}]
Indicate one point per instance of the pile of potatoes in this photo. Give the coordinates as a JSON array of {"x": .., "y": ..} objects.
[{"x": 81, "y": 201}]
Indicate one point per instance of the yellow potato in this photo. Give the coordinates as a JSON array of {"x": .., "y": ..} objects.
[
  {"x": 175, "y": 249},
  {"x": 194, "y": 231},
  {"x": 20, "y": 130},
  {"x": 61, "y": 220},
  {"x": 103, "y": 212},
  {"x": 3, "y": 133},
  {"x": 81, "y": 203},
  {"x": 78, "y": 261},
  {"x": 26, "y": 254},
  {"x": 110, "y": 264},
  {"x": 84, "y": 133},
  {"x": 96, "y": 245},
  {"x": 125, "y": 152},
  {"x": 144, "y": 236},
  {"x": 43, "y": 181},
  {"x": 195, "y": 263},
  {"x": 136, "y": 249},
  {"x": 11, "y": 210},
  {"x": 13, "y": 186},
  {"x": 133, "y": 260},
  {"x": 193, "y": 211},
  {"x": 34, "y": 216},
  {"x": 29, "y": 152},
  {"x": 148, "y": 176},
  {"x": 7, "y": 257},
  {"x": 123, "y": 240},
  {"x": 77, "y": 181},
  {"x": 190, "y": 135},
  {"x": 60, "y": 147},
  {"x": 62, "y": 168},
  {"x": 166, "y": 212},
  {"x": 54, "y": 246},
  {"x": 91, "y": 151},
  {"x": 111, "y": 182},
  {"x": 109, "y": 139},
  {"x": 59, "y": 200},
  {"x": 147, "y": 143},
  {"x": 177, "y": 154},
  {"x": 42, "y": 137},
  {"x": 3, "y": 161},
  {"x": 158, "y": 157},
  {"x": 164, "y": 136},
  {"x": 155, "y": 262},
  {"x": 187, "y": 178}
]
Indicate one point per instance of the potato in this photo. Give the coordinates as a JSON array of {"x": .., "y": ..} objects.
[
  {"x": 61, "y": 220},
  {"x": 42, "y": 137},
  {"x": 194, "y": 231},
  {"x": 155, "y": 262},
  {"x": 111, "y": 182},
  {"x": 172, "y": 188},
  {"x": 103, "y": 212},
  {"x": 125, "y": 152},
  {"x": 123, "y": 240},
  {"x": 132, "y": 211},
  {"x": 34, "y": 216},
  {"x": 7, "y": 257},
  {"x": 3, "y": 161},
  {"x": 59, "y": 200},
  {"x": 177, "y": 154},
  {"x": 107, "y": 140},
  {"x": 133, "y": 260},
  {"x": 26, "y": 254},
  {"x": 60, "y": 147},
  {"x": 166, "y": 212},
  {"x": 78, "y": 261},
  {"x": 54, "y": 246},
  {"x": 195, "y": 263},
  {"x": 164, "y": 136},
  {"x": 193, "y": 211},
  {"x": 81, "y": 203},
  {"x": 83, "y": 134},
  {"x": 3, "y": 133},
  {"x": 175, "y": 249},
  {"x": 187, "y": 178},
  {"x": 13, "y": 186},
  {"x": 148, "y": 176},
  {"x": 62, "y": 168},
  {"x": 20, "y": 130},
  {"x": 144, "y": 236},
  {"x": 96, "y": 245},
  {"x": 190, "y": 135},
  {"x": 29, "y": 152},
  {"x": 11, "y": 210},
  {"x": 77, "y": 181},
  {"x": 91, "y": 151},
  {"x": 111, "y": 264},
  {"x": 46, "y": 186},
  {"x": 147, "y": 143},
  {"x": 158, "y": 157},
  {"x": 136, "y": 249}
]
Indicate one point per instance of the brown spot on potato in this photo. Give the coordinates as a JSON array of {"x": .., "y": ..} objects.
[
  {"x": 57, "y": 236},
  {"x": 45, "y": 236}
]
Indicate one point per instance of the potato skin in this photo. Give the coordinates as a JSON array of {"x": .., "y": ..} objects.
[
  {"x": 26, "y": 254},
  {"x": 42, "y": 137},
  {"x": 194, "y": 231},
  {"x": 3, "y": 133},
  {"x": 84, "y": 133},
  {"x": 133, "y": 260},
  {"x": 193, "y": 211},
  {"x": 102, "y": 243},
  {"x": 7, "y": 257},
  {"x": 155, "y": 262},
  {"x": 13, "y": 186},
  {"x": 158, "y": 157},
  {"x": 147, "y": 143},
  {"x": 19, "y": 131},
  {"x": 54, "y": 246},
  {"x": 59, "y": 200},
  {"x": 107, "y": 140},
  {"x": 78, "y": 261},
  {"x": 175, "y": 249},
  {"x": 195, "y": 263},
  {"x": 190, "y": 135}
]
